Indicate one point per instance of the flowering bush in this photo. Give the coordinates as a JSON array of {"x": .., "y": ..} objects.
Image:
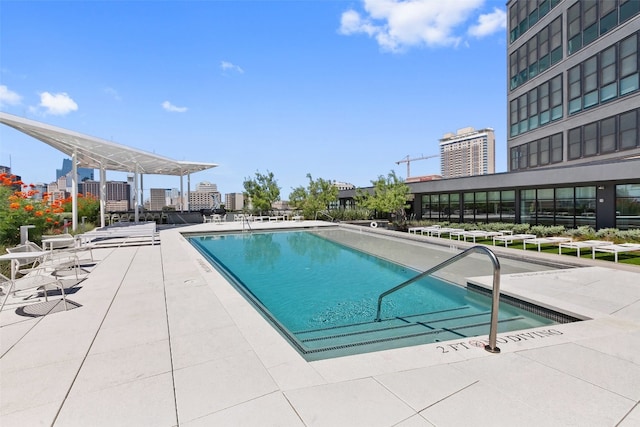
[{"x": 18, "y": 207}]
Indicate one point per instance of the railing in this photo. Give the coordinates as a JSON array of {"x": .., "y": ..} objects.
[
  {"x": 491, "y": 347},
  {"x": 245, "y": 219}
]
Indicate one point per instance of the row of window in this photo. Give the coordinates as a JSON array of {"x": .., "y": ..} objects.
[
  {"x": 536, "y": 55},
  {"x": 568, "y": 206},
  {"x": 589, "y": 19},
  {"x": 605, "y": 136},
  {"x": 611, "y": 73},
  {"x": 524, "y": 14},
  {"x": 609, "y": 135},
  {"x": 608, "y": 75},
  {"x": 539, "y": 106},
  {"x": 542, "y": 152},
  {"x": 586, "y": 21}
]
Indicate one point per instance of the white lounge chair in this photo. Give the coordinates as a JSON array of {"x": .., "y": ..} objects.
[
  {"x": 544, "y": 241},
  {"x": 616, "y": 249},
  {"x": 37, "y": 280},
  {"x": 479, "y": 234},
  {"x": 583, "y": 244},
  {"x": 510, "y": 238}
]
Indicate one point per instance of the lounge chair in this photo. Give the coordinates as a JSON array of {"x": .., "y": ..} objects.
[
  {"x": 53, "y": 261},
  {"x": 37, "y": 280},
  {"x": 510, "y": 238},
  {"x": 583, "y": 244},
  {"x": 544, "y": 241},
  {"x": 616, "y": 249},
  {"x": 58, "y": 241}
]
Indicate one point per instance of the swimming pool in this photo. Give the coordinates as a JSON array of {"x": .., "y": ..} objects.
[{"x": 319, "y": 288}]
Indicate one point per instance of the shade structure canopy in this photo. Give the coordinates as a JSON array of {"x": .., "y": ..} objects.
[{"x": 95, "y": 153}]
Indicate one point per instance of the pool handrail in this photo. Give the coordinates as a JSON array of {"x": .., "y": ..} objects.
[{"x": 493, "y": 330}]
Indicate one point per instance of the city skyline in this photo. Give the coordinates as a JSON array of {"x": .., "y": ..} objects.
[{"x": 338, "y": 90}]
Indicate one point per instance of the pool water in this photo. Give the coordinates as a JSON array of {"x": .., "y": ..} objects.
[{"x": 322, "y": 295}]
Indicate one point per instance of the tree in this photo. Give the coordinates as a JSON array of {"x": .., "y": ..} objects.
[
  {"x": 316, "y": 197},
  {"x": 261, "y": 191},
  {"x": 389, "y": 196}
]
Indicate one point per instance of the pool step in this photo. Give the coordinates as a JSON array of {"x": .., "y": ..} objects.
[{"x": 461, "y": 322}]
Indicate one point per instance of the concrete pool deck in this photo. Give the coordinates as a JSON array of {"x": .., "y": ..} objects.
[{"x": 161, "y": 339}]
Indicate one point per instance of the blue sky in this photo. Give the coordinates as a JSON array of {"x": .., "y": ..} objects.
[{"x": 338, "y": 89}]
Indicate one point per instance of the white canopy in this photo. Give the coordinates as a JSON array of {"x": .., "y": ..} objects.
[{"x": 95, "y": 153}]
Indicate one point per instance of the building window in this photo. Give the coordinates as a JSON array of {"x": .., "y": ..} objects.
[
  {"x": 544, "y": 151},
  {"x": 556, "y": 148},
  {"x": 628, "y": 8},
  {"x": 574, "y": 77},
  {"x": 629, "y": 130},
  {"x": 574, "y": 34},
  {"x": 629, "y": 80},
  {"x": 585, "y": 206},
  {"x": 575, "y": 144},
  {"x": 533, "y": 154},
  {"x": 590, "y": 140},
  {"x": 628, "y": 206},
  {"x": 608, "y": 15},
  {"x": 564, "y": 207},
  {"x": 590, "y": 82},
  {"x": 556, "y": 98},
  {"x": 608, "y": 74},
  {"x": 589, "y": 21},
  {"x": 608, "y": 132}
]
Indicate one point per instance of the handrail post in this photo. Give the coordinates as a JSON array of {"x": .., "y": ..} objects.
[{"x": 495, "y": 303}]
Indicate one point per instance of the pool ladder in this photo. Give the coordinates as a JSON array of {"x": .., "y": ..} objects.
[{"x": 491, "y": 347}]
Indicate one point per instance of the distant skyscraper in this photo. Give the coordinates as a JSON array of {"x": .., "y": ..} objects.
[
  {"x": 117, "y": 193},
  {"x": 467, "y": 153},
  {"x": 206, "y": 196},
  {"x": 159, "y": 198},
  {"x": 234, "y": 201},
  {"x": 83, "y": 173}
]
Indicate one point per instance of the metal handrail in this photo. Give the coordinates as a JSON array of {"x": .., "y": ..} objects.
[{"x": 491, "y": 347}]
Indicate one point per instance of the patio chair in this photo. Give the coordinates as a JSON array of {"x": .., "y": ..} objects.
[
  {"x": 36, "y": 281},
  {"x": 54, "y": 261}
]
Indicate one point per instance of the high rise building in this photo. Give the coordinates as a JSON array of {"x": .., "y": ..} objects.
[
  {"x": 117, "y": 193},
  {"x": 159, "y": 198},
  {"x": 234, "y": 201},
  {"x": 83, "y": 173},
  {"x": 206, "y": 196},
  {"x": 574, "y": 81},
  {"x": 467, "y": 153}
]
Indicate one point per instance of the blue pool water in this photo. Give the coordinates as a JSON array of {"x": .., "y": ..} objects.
[{"x": 321, "y": 293}]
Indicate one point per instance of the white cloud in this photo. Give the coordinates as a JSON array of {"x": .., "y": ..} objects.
[
  {"x": 400, "y": 24},
  {"x": 57, "y": 104},
  {"x": 8, "y": 97},
  {"x": 489, "y": 23},
  {"x": 225, "y": 65},
  {"x": 172, "y": 108}
]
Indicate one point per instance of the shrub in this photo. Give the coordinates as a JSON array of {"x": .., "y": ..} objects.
[{"x": 18, "y": 207}]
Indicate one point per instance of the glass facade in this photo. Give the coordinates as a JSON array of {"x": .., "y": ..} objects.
[{"x": 570, "y": 206}]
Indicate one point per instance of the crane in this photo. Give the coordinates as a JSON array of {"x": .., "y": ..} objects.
[{"x": 408, "y": 161}]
